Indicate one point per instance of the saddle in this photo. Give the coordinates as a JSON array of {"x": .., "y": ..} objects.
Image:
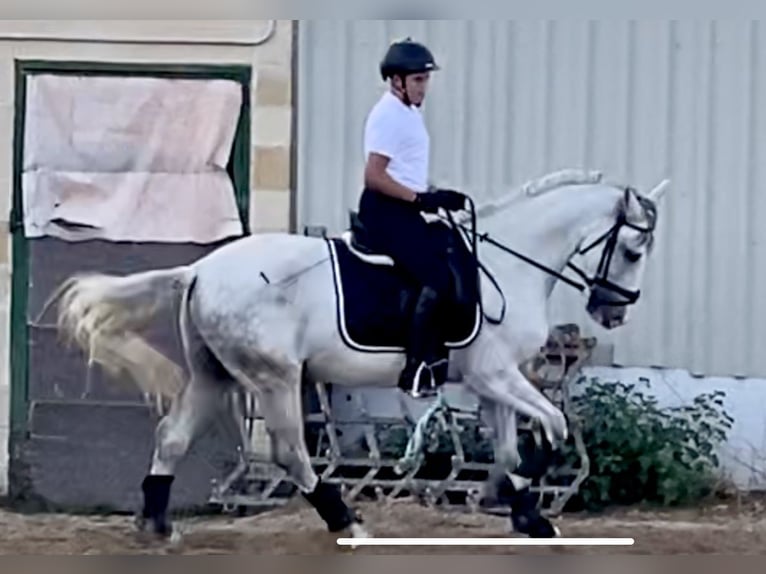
[
  {"x": 358, "y": 241},
  {"x": 375, "y": 300}
]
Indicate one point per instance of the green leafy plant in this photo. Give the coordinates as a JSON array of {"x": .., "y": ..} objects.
[{"x": 640, "y": 452}]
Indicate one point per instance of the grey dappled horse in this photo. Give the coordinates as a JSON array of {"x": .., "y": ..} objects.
[{"x": 262, "y": 309}]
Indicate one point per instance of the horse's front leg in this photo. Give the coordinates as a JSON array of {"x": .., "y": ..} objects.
[
  {"x": 508, "y": 387},
  {"x": 502, "y": 422},
  {"x": 512, "y": 475}
]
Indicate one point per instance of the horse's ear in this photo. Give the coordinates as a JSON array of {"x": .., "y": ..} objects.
[
  {"x": 632, "y": 205},
  {"x": 658, "y": 192}
]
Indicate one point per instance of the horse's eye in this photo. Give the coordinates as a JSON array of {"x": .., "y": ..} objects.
[{"x": 632, "y": 256}]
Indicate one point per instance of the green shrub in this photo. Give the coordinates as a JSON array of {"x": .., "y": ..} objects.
[{"x": 640, "y": 452}]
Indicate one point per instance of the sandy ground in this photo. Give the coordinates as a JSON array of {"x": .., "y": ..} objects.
[{"x": 297, "y": 530}]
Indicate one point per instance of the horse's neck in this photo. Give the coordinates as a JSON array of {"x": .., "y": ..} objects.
[{"x": 548, "y": 229}]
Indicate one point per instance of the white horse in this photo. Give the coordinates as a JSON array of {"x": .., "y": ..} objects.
[{"x": 259, "y": 311}]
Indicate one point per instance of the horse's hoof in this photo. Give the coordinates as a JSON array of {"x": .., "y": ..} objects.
[
  {"x": 141, "y": 524},
  {"x": 535, "y": 527},
  {"x": 138, "y": 522},
  {"x": 356, "y": 530},
  {"x": 157, "y": 529},
  {"x": 176, "y": 539}
]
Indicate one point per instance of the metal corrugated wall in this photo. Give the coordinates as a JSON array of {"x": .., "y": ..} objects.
[{"x": 641, "y": 101}]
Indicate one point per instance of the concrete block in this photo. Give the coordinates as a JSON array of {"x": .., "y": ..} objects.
[
  {"x": 271, "y": 126},
  {"x": 270, "y": 211},
  {"x": 271, "y": 167},
  {"x": 272, "y": 86}
]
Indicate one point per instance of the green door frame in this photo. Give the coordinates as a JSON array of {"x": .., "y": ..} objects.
[{"x": 238, "y": 168}]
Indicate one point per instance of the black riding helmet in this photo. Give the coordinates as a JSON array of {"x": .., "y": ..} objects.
[{"x": 407, "y": 57}]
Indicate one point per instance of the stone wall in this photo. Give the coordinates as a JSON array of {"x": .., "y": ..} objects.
[{"x": 199, "y": 42}]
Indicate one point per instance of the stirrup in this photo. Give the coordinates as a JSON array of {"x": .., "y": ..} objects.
[{"x": 418, "y": 391}]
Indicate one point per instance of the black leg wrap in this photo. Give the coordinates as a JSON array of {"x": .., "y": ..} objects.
[
  {"x": 328, "y": 503},
  {"x": 526, "y": 518},
  {"x": 156, "y": 490},
  {"x": 535, "y": 461}
]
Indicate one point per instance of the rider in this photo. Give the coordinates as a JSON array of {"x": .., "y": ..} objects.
[{"x": 396, "y": 148}]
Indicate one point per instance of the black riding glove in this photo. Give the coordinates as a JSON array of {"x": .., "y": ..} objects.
[{"x": 431, "y": 201}]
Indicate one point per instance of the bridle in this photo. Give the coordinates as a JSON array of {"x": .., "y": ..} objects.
[
  {"x": 601, "y": 277},
  {"x": 599, "y": 280}
]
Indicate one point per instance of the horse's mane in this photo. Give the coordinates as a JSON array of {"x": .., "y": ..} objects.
[
  {"x": 537, "y": 187},
  {"x": 555, "y": 180}
]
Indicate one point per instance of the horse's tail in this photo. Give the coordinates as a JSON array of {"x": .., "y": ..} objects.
[{"x": 102, "y": 313}]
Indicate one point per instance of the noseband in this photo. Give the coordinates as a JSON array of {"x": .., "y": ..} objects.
[{"x": 601, "y": 278}]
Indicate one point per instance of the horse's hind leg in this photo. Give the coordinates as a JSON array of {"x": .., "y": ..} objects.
[
  {"x": 189, "y": 415},
  {"x": 174, "y": 435},
  {"x": 278, "y": 385}
]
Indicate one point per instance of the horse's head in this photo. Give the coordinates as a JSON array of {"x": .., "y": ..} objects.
[{"x": 621, "y": 262}]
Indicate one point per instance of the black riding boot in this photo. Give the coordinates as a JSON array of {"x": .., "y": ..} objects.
[{"x": 417, "y": 378}]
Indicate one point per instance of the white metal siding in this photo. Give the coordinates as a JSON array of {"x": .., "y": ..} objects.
[{"x": 641, "y": 101}]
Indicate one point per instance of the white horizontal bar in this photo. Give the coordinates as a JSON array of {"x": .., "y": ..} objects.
[{"x": 486, "y": 541}]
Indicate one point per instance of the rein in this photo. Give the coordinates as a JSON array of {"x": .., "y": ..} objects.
[{"x": 600, "y": 279}]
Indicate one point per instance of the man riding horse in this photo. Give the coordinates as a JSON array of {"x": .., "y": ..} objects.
[{"x": 396, "y": 192}]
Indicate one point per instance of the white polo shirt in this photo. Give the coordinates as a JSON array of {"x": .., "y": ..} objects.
[{"x": 398, "y": 132}]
